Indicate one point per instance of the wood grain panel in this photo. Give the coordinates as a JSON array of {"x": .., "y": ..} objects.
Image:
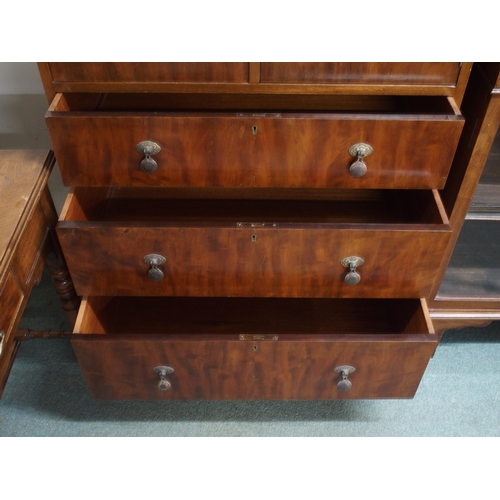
[
  {"x": 106, "y": 259},
  {"x": 199, "y": 72},
  {"x": 211, "y": 361},
  {"x": 243, "y": 150},
  {"x": 390, "y": 73},
  {"x": 32, "y": 243},
  {"x": 11, "y": 299},
  {"x": 231, "y": 369}
]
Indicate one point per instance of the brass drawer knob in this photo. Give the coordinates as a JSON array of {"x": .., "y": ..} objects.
[
  {"x": 345, "y": 370},
  {"x": 162, "y": 372},
  {"x": 154, "y": 260},
  {"x": 148, "y": 149},
  {"x": 352, "y": 263},
  {"x": 360, "y": 151}
]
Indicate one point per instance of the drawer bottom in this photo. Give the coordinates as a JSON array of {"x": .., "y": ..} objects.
[{"x": 251, "y": 349}]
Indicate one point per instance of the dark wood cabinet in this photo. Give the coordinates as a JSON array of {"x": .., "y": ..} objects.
[{"x": 266, "y": 230}]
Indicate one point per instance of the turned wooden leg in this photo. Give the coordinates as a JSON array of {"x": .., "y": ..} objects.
[{"x": 70, "y": 302}]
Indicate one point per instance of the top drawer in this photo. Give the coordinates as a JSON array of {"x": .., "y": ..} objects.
[{"x": 254, "y": 141}]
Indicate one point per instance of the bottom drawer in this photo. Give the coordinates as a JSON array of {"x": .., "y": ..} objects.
[{"x": 234, "y": 348}]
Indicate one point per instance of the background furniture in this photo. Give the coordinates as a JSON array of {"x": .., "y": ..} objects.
[
  {"x": 27, "y": 240},
  {"x": 467, "y": 288}
]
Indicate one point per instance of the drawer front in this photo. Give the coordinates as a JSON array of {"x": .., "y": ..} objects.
[
  {"x": 402, "y": 73},
  {"x": 254, "y": 151},
  {"x": 161, "y": 72},
  {"x": 122, "y": 368},
  {"x": 27, "y": 262},
  {"x": 11, "y": 300},
  {"x": 107, "y": 259}
]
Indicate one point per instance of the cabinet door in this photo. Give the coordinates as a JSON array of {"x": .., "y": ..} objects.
[
  {"x": 163, "y": 72},
  {"x": 361, "y": 73}
]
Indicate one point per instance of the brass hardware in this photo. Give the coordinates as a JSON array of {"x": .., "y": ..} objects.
[
  {"x": 250, "y": 336},
  {"x": 353, "y": 262},
  {"x": 2, "y": 338},
  {"x": 154, "y": 260},
  {"x": 345, "y": 370},
  {"x": 255, "y": 348},
  {"x": 162, "y": 372},
  {"x": 253, "y": 238},
  {"x": 254, "y": 130},
  {"x": 257, "y": 224},
  {"x": 259, "y": 115},
  {"x": 360, "y": 151},
  {"x": 148, "y": 149}
]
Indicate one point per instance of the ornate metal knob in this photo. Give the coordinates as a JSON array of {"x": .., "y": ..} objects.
[
  {"x": 345, "y": 384},
  {"x": 2, "y": 339},
  {"x": 360, "y": 151},
  {"x": 148, "y": 149},
  {"x": 162, "y": 372},
  {"x": 154, "y": 260},
  {"x": 352, "y": 263}
]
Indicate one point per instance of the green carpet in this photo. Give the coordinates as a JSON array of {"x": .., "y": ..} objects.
[{"x": 46, "y": 395}]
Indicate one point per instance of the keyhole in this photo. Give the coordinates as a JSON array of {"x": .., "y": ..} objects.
[
  {"x": 253, "y": 238},
  {"x": 254, "y": 347},
  {"x": 254, "y": 130}
]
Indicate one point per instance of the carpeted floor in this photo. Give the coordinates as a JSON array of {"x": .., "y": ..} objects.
[{"x": 46, "y": 395}]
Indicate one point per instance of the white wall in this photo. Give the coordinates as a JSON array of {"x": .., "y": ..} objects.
[
  {"x": 22, "y": 107},
  {"x": 20, "y": 78}
]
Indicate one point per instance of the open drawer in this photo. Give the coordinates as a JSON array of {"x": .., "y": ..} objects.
[
  {"x": 154, "y": 242},
  {"x": 286, "y": 141},
  {"x": 222, "y": 348}
]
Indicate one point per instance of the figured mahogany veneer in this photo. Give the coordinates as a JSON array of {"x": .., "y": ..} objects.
[
  {"x": 358, "y": 73},
  {"x": 413, "y": 142},
  {"x": 212, "y": 247},
  {"x": 214, "y": 72},
  {"x": 252, "y": 348}
]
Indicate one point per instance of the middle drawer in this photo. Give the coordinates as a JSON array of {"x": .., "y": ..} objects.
[{"x": 153, "y": 242}]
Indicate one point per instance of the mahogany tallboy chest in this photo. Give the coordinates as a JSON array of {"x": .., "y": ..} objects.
[{"x": 272, "y": 230}]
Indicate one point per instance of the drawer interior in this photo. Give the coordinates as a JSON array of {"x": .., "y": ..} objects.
[
  {"x": 222, "y": 348},
  {"x": 146, "y": 102},
  {"x": 278, "y": 207},
  {"x": 188, "y": 316}
]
